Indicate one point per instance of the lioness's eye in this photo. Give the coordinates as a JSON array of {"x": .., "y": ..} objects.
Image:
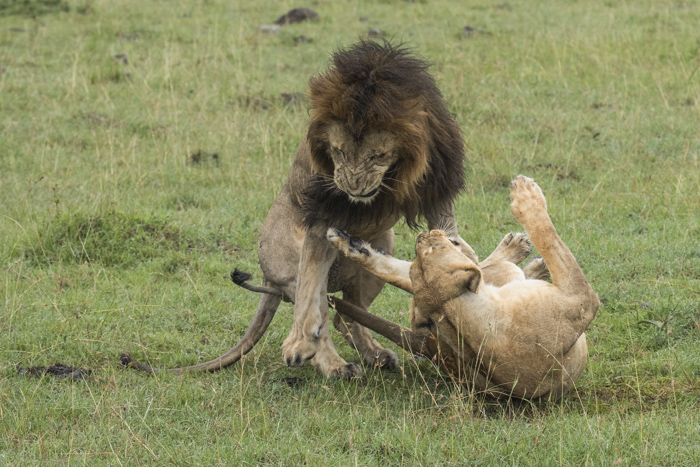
[{"x": 454, "y": 243}]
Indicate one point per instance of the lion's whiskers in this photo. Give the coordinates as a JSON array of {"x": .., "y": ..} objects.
[
  {"x": 390, "y": 179},
  {"x": 387, "y": 187}
]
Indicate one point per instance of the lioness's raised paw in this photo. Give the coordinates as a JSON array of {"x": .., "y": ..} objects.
[
  {"x": 526, "y": 198},
  {"x": 349, "y": 245},
  {"x": 514, "y": 247}
]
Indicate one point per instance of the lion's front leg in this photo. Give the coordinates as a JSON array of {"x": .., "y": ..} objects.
[
  {"x": 360, "y": 288},
  {"x": 310, "y": 338},
  {"x": 448, "y": 224}
]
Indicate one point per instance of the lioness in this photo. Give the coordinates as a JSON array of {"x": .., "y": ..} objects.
[{"x": 524, "y": 337}]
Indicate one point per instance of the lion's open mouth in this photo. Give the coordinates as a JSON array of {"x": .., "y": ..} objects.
[
  {"x": 365, "y": 198},
  {"x": 370, "y": 194}
]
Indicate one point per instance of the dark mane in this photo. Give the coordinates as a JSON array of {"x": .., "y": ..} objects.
[{"x": 371, "y": 85}]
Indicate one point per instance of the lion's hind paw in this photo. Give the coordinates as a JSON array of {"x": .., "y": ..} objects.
[{"x": 348, "y": 372}]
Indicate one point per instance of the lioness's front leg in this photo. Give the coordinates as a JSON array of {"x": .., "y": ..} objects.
[
  {"x": 387, "y": 268},
  {"x": 310, "y": 335}
]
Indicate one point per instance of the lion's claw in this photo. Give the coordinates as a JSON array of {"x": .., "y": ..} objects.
[{"x": 348, "y": 244}]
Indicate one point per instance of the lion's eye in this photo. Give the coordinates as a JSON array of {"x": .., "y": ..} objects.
[
  {"x": 377, "y": 157},
  {"x": 454, "y": 243},
  {"x": 338, "y": 152}
]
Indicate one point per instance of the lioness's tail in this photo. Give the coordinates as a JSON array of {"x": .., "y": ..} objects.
[{"x": 267, "y": 307}]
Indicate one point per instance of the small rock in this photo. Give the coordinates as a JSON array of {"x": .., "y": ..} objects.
[
  {"x": 296, "y": 15},
  {"x": 470, "y": 31},
  {"x": 200, "y": 157},
  {"x": 291, "y": 381},
  {"x": 301, "y": 39},
  {"x": 122, "y": 58},
  {"x": 270, "y": 28},
  {"x": 128, "y": 37},
  {"x": 292, "y": 97},
  {"x": 374, "y": 33}
]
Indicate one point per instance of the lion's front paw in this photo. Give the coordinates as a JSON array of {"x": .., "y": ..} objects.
[
  {"x": 297, "y": 351},
  {"x": 349, "y": 245},
  {"x": 526, "y": 198}
]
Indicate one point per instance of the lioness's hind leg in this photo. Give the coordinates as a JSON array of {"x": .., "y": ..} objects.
[
  {"x": 529, "y": 207},
  {"x": 501, "y": 265},
  {"x": 536, "y": 268},
  {"x": 361, "y": 339},
  {"x": 514, "y": 248}
]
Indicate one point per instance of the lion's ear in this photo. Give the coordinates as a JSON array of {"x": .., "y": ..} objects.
[{"x": 472, "y": 278}]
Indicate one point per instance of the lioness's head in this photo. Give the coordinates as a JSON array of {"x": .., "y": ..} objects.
[{"x": 441, "y": 271}]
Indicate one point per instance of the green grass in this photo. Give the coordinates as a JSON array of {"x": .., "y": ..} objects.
[{"x": 119, "y": 227}]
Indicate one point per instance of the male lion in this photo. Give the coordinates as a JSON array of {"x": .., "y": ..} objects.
[
  {"x": 380, "y": 146},
  {"x": 525, "y": 337}
]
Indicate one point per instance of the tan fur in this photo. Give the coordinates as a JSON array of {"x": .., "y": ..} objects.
[{"x": 513, "y": 333}]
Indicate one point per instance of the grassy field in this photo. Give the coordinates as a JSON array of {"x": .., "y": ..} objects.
[{"x": 141, "y": 144}]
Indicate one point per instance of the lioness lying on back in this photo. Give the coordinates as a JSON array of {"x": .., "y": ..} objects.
[{"x": 516, "y": 334}]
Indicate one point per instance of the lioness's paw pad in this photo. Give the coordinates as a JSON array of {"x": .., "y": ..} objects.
[{"x": 525, "y": 196}]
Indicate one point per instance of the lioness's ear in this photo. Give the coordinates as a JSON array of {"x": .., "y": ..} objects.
[{"x": 472, "y": 279}]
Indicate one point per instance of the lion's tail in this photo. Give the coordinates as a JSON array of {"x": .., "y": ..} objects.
[{"x": 267, "y": 307}]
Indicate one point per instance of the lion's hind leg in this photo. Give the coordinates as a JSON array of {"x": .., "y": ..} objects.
[
  {"x": 366, "y": 267},
  {"x": 362, "y": 340}
]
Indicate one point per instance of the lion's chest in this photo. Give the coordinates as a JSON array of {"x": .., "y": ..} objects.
[{"x": 371, "y": 231}]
